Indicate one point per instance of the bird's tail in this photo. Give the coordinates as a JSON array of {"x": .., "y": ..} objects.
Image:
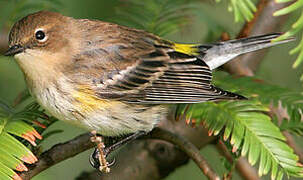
[{"x": 217, "y": 54}]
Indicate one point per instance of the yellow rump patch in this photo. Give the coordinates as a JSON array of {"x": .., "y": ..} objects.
[{"x": 189, "y": 49}]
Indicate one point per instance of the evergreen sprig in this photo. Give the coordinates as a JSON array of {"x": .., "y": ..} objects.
[
  {"x": 14, "y": 124},
  {"x": 296, "y": 27},
  {"x": 266, "y": 93},
  {"x": 243, "y": 10},
  {"x": 251, "y": 132},
  {"x": 248, "y": 127},
  {"x": 161, "y": 17}
]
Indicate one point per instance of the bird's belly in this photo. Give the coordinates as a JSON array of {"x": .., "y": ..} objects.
[
  {"x": 108, "y": 118},
  {"x": 119, "y": 118}
]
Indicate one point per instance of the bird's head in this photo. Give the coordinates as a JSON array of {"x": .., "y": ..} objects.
[
  {"x": 41, "y": 31},
  {"x": 41, "y": 41}
]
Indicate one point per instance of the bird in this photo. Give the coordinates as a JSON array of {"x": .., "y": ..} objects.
[{"x": 115, "y": 80}]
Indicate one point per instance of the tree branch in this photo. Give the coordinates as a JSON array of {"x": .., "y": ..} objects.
[
  {"x": 153, "y": 159},
  {"x": 186, "y": 146},
  {"x": 138, "y": 160},
  {"x": 59, "y": 153}
]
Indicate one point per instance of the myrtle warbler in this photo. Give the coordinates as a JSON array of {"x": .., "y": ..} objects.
[{"x": 113, "y": 79}]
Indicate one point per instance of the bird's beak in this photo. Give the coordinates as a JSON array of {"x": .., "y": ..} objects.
[{"x": 15, "y": 49}]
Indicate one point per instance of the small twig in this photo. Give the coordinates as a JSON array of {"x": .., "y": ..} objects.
[
  {"x": 243, "y": 167},
  {"x": 248, "y": 27},
  {"x": 291, "y": 142},
  {"x": 191, "y": 150},
  {"x": 281, "y": 113},
  {"x": 59, "y": 153}
]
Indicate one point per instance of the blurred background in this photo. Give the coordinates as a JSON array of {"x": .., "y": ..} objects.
[{"x": 205, "y": 23}]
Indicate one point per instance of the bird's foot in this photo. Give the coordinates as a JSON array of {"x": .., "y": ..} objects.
[
  {"x": 95, "y": 160},
  {"x": 99, "y": 154},
  {"x": 98, "y": 158}
]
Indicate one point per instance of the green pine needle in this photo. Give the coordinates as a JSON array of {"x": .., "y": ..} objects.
[
  {"x": 243, "y": 10},
  {"x": 296, "y": 28},
  {"x": 267, "y": 94},
  {"x": 13, "y": 153},
  {"x": 251, "y": 132},
  {"x": 161, "y": 17},
  {"x": 248, "y": 127}
]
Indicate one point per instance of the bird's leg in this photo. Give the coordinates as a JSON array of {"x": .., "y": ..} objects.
[
  {"x": 122, "y": 142},
  {"x": 95, "y": 159},
  {"x": 103, "y": 164}
]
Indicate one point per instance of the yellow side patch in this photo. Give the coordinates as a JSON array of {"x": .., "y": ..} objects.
[
  {"x": 87, "y": 101},
  {"x": 189, "y": 49}
]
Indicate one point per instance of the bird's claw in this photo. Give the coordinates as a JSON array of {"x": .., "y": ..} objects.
[
  {"x": 98, "y": 158},
  {"x": 95, "y": 162}
]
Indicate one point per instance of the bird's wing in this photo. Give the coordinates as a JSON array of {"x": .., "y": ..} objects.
[
  {"x": 164, "y": 75},
  {"x": 171, "y": 77},
  {"x": 138, "y": 67}
]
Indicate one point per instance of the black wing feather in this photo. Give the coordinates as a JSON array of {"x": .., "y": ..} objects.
[{"x": 170, "y": 78}]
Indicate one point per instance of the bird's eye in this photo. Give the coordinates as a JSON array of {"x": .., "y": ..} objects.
[{"x": 40, "y": 35}]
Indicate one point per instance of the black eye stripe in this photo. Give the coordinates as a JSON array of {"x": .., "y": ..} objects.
[{"x": 40, "y": 35}]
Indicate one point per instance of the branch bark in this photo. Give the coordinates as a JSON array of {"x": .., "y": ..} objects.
[
  {"x": 153, "y": 159},
  {"x": 142, "y": 159},
  {"x": 282, "y": 114},
  {"x": 191, "y": 151},
  {"x": 58, "y": 153},
  {"x": 291, "y": 142}
]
